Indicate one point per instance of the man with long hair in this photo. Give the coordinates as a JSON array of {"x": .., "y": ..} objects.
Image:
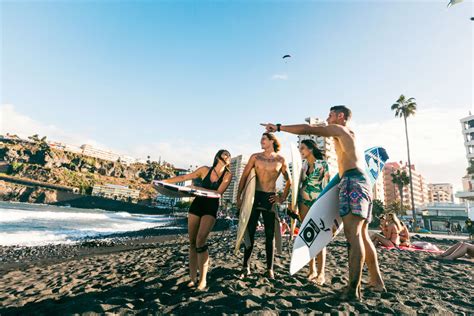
[
  {"x": 354, "y": 196},
  {"x": 269, "y": 165}
]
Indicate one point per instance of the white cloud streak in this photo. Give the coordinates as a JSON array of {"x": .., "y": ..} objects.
[
  {"x": 279, "y": 77},
  {"x": 22, "y": 125}
]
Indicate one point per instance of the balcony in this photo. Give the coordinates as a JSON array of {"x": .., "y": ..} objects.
[
  {"x": 467, "y": 119},
  {"x": 468, "y": 195},
  {"x": 468, "y": 130}
]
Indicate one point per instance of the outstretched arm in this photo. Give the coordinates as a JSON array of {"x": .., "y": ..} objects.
[
  {"x": 198, "y": 173},
  {"x": 330, "y": 130}
]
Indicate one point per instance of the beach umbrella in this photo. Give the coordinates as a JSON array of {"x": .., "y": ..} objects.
[{"x": 453, "y": 2}]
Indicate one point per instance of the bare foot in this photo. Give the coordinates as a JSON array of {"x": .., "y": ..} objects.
[
  {"x": 245, "y": 273},
  {"x": 191, "y": 284},
  {"x": 351, "y": 294},
  {"x": 270, "y": 274},
  {"x": 312, "y": 275},
  {"x": 320, "y": 279},
  {"x": 377, "y": 289},
  {"x": 201, "y": 287}
]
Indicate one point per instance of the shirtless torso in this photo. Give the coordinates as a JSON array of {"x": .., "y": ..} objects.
[
  {"x": 267, "y": 169},
  {"x": 347, "y": 156}
]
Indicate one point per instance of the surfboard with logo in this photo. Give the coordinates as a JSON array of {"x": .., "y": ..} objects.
[{"x": 316, "y": 230}]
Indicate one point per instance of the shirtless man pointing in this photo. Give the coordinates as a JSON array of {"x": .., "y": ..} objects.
[
  {"x": 268, "y": 167},
  {"x": 354, "y": 197}
]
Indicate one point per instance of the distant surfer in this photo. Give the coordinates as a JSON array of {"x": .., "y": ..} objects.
[
  {"x": 314, "y": 177},
  {"x": 355, "y": 198},
  {"x": 269, "y": 165},
  {"x": 203, "y": 212}
]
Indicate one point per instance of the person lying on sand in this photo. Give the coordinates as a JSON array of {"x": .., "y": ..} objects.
[
  {"x": 459, "y": 250},
  {"x": 269, "y": 165},
  {"x": 203, "y": 212}
]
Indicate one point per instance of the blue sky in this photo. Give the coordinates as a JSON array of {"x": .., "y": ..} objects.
[{"x": 151, "y": 76}]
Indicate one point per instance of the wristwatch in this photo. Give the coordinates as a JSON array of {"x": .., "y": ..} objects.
[{"x": 278, "y": 127}]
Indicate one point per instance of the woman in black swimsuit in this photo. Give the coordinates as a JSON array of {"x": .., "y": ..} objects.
[{"x": 203, "y": 212}]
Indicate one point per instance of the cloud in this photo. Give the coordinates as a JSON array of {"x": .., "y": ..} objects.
[
  {"x": 279, "y": 77},
  {"x": 13, "y": 122},
  {"x": 436, "y": 142}
]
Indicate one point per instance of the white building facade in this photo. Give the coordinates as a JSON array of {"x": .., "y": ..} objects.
[
  {"x": 116, "y": 192},
  {"x": 467, "y": 195},
  {"x": 237, "y": 166}
]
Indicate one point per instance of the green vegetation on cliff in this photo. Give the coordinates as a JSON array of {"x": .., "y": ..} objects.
[{"x": 36, "y": 160}]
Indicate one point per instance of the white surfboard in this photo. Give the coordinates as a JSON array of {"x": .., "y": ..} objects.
[
  {"x": 246, "y": 208},
  {"x": 179, "y": 191},
  {"x": 296, "y": 165},
  {"x": 316, "y": 230}
]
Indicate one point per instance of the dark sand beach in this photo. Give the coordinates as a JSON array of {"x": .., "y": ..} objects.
[{"x": 148, "y": 275}]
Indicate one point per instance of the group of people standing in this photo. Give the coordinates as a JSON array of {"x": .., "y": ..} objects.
[{"x": 354, "y": 199}]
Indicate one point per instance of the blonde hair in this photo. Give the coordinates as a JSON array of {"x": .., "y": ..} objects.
[{"x": 396, "y": 221}]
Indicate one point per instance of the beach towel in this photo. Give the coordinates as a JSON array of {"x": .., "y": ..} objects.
[{"x": 412, "y": 247}]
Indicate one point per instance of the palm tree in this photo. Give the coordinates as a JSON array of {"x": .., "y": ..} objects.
[
  {"x": 406, "y": 108},
  {"x": 34, "y": 138},
  {"x": 400, "y": 179},
  {"x": 470, "y": 169}
]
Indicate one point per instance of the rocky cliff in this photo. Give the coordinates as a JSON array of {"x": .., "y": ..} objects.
[{"x": 38, "y": 161}]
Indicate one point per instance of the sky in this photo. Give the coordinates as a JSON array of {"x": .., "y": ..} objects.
[{"x": 181, "y": 79}]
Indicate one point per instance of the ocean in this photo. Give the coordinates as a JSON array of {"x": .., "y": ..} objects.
[{"x": 25, "y": 224}]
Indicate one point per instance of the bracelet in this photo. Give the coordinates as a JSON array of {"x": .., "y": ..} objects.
[{"x": 278, "y": 127}]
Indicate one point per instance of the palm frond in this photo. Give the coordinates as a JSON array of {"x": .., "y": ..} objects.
[{"x": 411, "y": 106}]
